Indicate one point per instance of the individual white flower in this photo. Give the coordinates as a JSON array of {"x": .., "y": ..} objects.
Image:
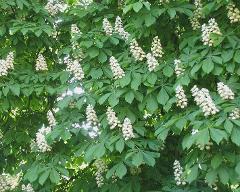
[
  {"x": 127, "y": 129},
  {"x": 136, "y": 51},
  {"x": 119, "y": 29},
  {"x": 204, "y": 101},
  {"x": 107, "y": 27},
  {"x": 235, "y": 114},
  {"x": 156, "y": 48},
  {"x": 41, "y": 141},
  {"x": 178, "y": 68},
  {"x": 194, "y": 131},
  {"x": 233, "y": 13},
  {"x": 27, "y": 188},
  {"x": 224, "y": 91},
  {"x": 178, "y": 173},
  {"x": 208, "y": 29},
  {"x": 197, "y": 15},
  {"x": 181, "y": 97},
  {"x": 8, "y": 182},
  {"x": 152, "y": 62},
  {"x": 112, "y": 119},
  {"x": 101, "y": 168},
  {"x": 51, "y": 119},
  {"x": 91, "y": 115},
  {"x": 75, "y": 30},
  {"x": 116, "y": 69},
  {"x": 41, "y": 64},
  {"x": 75, "y": 68},
  {"x": 85, "y": 3}
]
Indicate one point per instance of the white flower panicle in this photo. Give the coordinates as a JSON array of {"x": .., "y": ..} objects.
[
  {"x": 54, "y": 7},
  {"x": 178, "y": 173},
  {"x": 75, "y": 30},
  {"x": 204, "y": 100},
  {"x": 233, "y": 13},
  {"x": 156, "y": 48},
  {"x": 116, "y": 69},
  {"x": 152, "y": 62},
  {"x": 235, "y": 114},
  {"x": 197, "y": 15},
  {"x": 137, "y": 51},
  {"x": 207, "y": 30},
  {"x": 27, "y": 188},
  {"x": 119, "y": 29},
  {"x": 75, "y": 68},
  {"x": 51, "y": 119},
  {"x": 41, "y": 141},
  {"x": 7, "y": 64},
  {"x": 85, "y": 3},
  {"x": 181, "y": 97},
  {"x": 112, "y": 119},
  {"x": 91, "y": 115},
  {"x": 127, "y": 129},
  {"x": 107, "y": 27},
  {"x": 178, "y": 68},
  {"x": 8, "y": 182},
  {"x": 224, "y": 91},
  {"x": 101, "y": 169},
  {"x": 41, "y": 64}
]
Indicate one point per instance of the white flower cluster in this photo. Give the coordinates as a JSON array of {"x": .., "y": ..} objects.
[
  {"x": 41, "y": 64},
  {"x": 7, "y": 64},
  {"x": 127, "y": 129},
  {"x": 101, "y": 168},
  {"x": 178, "y": 68},
  {"x": 41, "y": 141},
  {"x": 235, "y": 114},
  {"x": 51, "y": 119},
  {"x": 112, "y": 119},
  {"x": 151, "y": 61},
  {"x": 207, "y": 146},
  {"x": 156, "y": 48},
  {"x": 204, "y": 100},
  {"x": 91, "y": 115},
  {"x": 119, "y": 29},
  {"x": 233, "y": 13},
  {"x": 75, "y": 68},
  {"x": 224, "y": 91},
  {"x": 207, "y": 30},
  {"x": 75, "y": 30},
  {"x": 85, "y": 3},
  {"x": 116, "y": 69},
  {"x": 54, "y": 7},
  {"x": 137, "y": 51},
  {"x": 27, "y": 188},
  {"x": 8, "y": 182},
  {"x": 92, "y": 130},
  {"x": 181, "y": 97},
  {"x": 178, "y": 173},
  {"x": 107, "y": 27},
  {"x": 197, "y": 15}
]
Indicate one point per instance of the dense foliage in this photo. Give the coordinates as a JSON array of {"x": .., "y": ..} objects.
[{"x": 127, "y": 95}]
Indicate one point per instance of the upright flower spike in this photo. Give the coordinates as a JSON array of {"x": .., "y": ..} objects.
[
  {"x": 137, "y": 51},
  {"x": 197, "y": 15},
  {"x": 51, "y": 119},
  {"x": 74, "y": 67},
  {"x": 91, "y": 115},
  {"x": 27, "y": 188},
  {"x": 233, "y": 13},
  {"x": 112, "y": 119},
  {"x": 7, "y": 64},
  {"x": 101, "y": 169},
  {"x": 207, "y": 30},
  {"x": 156, "y": 48},
  {"x": 119, "y": 29},
  {"x": 41, "y": 64},
  {"x": 116, "y": 69},
  {"x": 235, "y": 114},
  {"x": 224, "y": 91},
  {"x": 151, "y": 61},
  {"x": 107, "y": 27},
  {"x": 75, "y": 30},
  {"x": 178, "y": 173},
  {"x": 178, "y": 68},
  {"x": 8, "y": 182},
  {"x": 181, "y": 97},
  {"x": 85, "y": 3},
  {"x": 204, "y": 100},
  {"x": 127, "y": 129}
]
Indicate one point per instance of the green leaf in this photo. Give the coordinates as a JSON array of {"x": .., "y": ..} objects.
[
  {"x": 168, "y": 71},
  {"x": 235, "y": 136},
  {"x": 54, "y": 176},
  {"x": 121, "y": 170},
  {"x": 218, "y": 135},
  {"x": 180, "y": 124},
  {"x": 137, "y": 6},
  {"x": 211, "y": 176},
  {"x": 149, "y": 20},
  {"x": 223, "y": 175},
  {"x": 32, "y": 173},
  {"x": 152, "y": 78},
  {"x": 202, "y": 137},
  {"x": 113, "y": 100},
  {"x": 237, "y": 168},
  {"x": 44, "y": 176},
  {"x": 120, "y": 145},
  {"x": 192, "y": 174},
  {"x": 93, "y": 52},
  {"x": 136, "y": 80},
  {"x": 207, "y": 65},
  {"x": 227, "y": 55},
  {"x": 228, "y": 125},
  {"x": 15, "y": 89},
  {"x": 137, "y": 159},
  {"x": 216, "y": 161},
  {"x": 148, "y": 159},
  {"x": 171, "y": 12},
  {"x": 237, "y": 56},
  {"x": 163, "y": 96},
  {"x": 152, "y": 104},
  {"x": 100, "y": 150},
  {"x": 129, "y": 97},
  {"x": 125, "y": 80},
  {"x": 103, "y": 98},
  {"x": 5, "y": 90},
  {"x": 147, "y": 5}
]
